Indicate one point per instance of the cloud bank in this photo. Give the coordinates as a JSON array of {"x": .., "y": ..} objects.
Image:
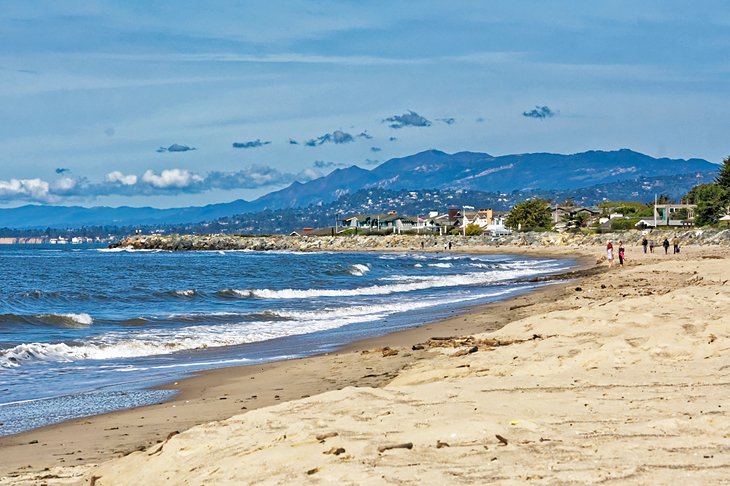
[
  {"x": 252, "y": 144},
  {"x": 410, "y": 119},
  {"x": 338, "y": 137},
  {"x": 539, "y": 112},
  {"x": 175, "y": 147},
  {"x": 166, "y": 182}
]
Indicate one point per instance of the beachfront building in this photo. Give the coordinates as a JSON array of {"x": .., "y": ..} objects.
[
  {"x": 672, "y": 215},
  {"x": 488, "y": 220},
  {"x": 563, "y": 214},
  {"x": 388, "y": 222}
]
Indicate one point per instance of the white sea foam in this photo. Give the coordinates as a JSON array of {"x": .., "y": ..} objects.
[
  {"x": 440, "y": 265},
  {"x": 117, "y": 345},
  {"x": 359, "y": 269},
  {"x": 185, "y": 293},
  {"x": 473, "y": 278}
]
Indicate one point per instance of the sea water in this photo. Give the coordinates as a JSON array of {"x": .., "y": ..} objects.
[{"x": 90, "y": 330}]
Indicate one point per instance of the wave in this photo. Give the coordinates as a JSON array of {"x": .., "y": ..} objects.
[
  {"x": 419, "y": 283},
  {"x": 54, "y": 320},
  {"x": 41, "y": 295},
  {"x": 182, "y": 293},
  {"x": 69, "y": 320},
  {"x": 358, "y": 269},
  {"x": 440, "y": 265},
  {"x": 151, "y": 342}
]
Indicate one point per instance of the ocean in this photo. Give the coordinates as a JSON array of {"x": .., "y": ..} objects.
[{"x": 90, "y": 330}]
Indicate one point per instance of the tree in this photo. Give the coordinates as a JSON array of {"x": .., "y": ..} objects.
[
  {"x": 711, "y": 201},
  {"x": 533, "y": 214},
  {"x": 473, "y": 229},
  {"x": 723, "y": 178}
]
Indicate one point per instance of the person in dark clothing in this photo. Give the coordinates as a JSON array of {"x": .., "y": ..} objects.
[
  {"x": 665, "y": 244},
  {"x": 645, "y": 243},
  {"x": 621, "y": 255}
]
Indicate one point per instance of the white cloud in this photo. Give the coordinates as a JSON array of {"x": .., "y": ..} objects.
[
  {"x": 171, "y": 178},
  {"x": 36, "y": 189},
  {"x": 63, "y": 184},
  {"x": 117, "y": 177}
]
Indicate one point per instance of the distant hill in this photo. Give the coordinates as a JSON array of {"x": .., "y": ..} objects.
[
  {"x": 434, "y": 169},
  {"x": 431, "y": 169}
]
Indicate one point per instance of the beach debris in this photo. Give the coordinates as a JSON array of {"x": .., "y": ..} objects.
[
  {"x": 93, "y": 480},
  {"x": 417, "y": 347},
  {"x": 579, "y": 289},
  {"x": 464, "y": 352},
  {"x": 335, "y": 450},
  {"x": 405, "y": 445},
  {"x": 712, "y": 339},
  {"x": 501, "y": 439},
  {"x": 481, "y": 344},
  {"x": 33, "y": 442},
  {"x": 388, "y": 352},
  {"x": 440, "y": 444},
  {"x": 325, "y": 436},
  {"x": 313, "y": 471}
]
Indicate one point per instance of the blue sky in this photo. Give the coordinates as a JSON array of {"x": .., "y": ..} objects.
[{"x": 141, "y": 103}]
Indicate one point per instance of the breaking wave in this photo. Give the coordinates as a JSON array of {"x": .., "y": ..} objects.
[
  {"x": 419, "y": 283},
  {"x": 52, "y": 320},
  {"x": 359, "y": 269},
  {"x": 117, "y": 345}
]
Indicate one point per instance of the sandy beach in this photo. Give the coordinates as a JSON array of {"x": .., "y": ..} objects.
[{"x": 618, "y": 375}]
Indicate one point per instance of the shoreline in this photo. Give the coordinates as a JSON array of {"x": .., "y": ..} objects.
[{"x": 217, "y": 394}]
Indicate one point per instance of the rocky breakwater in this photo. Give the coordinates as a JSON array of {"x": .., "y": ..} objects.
[{"x": 411, "y": 242}]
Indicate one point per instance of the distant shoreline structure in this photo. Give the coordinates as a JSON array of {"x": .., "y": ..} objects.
[
  {"x": 407, "y": 242},
  {"x": 42, "y": 240}
]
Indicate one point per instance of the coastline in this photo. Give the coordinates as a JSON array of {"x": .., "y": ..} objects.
[
  {"x": 217, "y": 394},
  {"x": 616, "y": 376}
]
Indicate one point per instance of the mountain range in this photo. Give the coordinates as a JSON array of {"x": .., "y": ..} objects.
[{"x": 431, "y": 169}]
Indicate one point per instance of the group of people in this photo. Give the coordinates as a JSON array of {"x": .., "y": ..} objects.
[
  {"x": 621, "y": 254},
  {"x": 650, "y": 243},
  {"x": 645, "y": 243}
]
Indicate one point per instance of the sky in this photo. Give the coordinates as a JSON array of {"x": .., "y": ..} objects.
[{"x": 169, "y": 104}]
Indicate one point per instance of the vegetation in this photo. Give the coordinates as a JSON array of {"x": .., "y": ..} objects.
[
  {"x": 472, "y": 230},
  {"x": 530, "y": 215},
  {"x": 723, "y": 178},
  {"x": 630, "y": 209},
  {"x": 575, "y": 221},
  {"x": 712, "y": 200},
  {"x": 623, "y": 224}
]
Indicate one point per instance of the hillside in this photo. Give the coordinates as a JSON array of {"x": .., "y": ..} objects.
[{"x": 429, "y": 170}]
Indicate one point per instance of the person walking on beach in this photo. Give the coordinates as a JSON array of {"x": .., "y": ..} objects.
[
  {"x": 651, "y": 246},
  {"x": 621, "y": 255},
  {"x": 609, "y": 254},
  {"x": 644, "y": 243},
  {"x": 675, "y": 242},
  {"x": 665, "y": 244}
]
